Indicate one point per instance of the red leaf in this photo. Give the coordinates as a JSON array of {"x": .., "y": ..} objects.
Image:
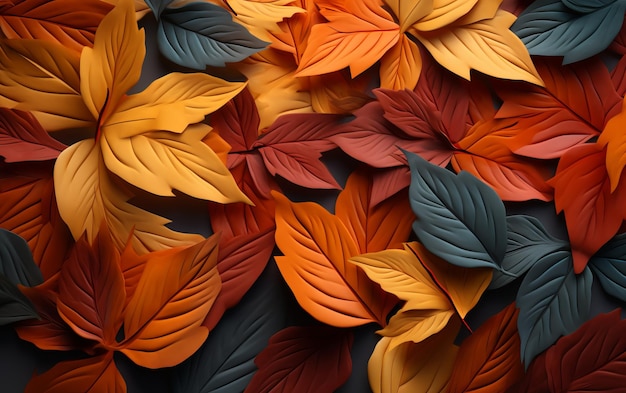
[
  {"x": 238, "y": 122},
  {"x": 570, "y": 368},
  {"x": 91, "y": 375},
  {"x": 29, "y": 209},
  {"x": 292, "y": 146},
  {"x": 582, "y": 190},
  {"x": 489, "y": 360},
  {"x": 618, "y": 76},
  {"x": 23, "y": 139},
  {"x": 304, "y": 360},
  {"x": 536, "y": 379},
  {"x": 574, "y": 106},
  {"x": 388, "y": 182},
  {"x": 91, "y": 289}
]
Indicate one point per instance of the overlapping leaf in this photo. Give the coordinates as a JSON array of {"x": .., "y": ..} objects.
[
  {"x": 609, "y": 267},
  {"x": 23, "y": 139}
]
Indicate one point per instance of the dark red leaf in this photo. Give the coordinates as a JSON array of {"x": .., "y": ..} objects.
[
  {"x": 238, "y": 122},
  {"x": 388, "y": 182},
  {"x": 23, "y": 139},
  {"x": 305, "y": 360}
]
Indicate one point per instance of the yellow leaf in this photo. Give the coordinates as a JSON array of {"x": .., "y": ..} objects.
[
  {"x": 161, "y": 161},
  {"x": 409, "y": 11},
  {"x": 113, "y": 65},
  {"x": 400, "y": 68},
  {"x": 424, "y": 367},
  {"x": 614, "y": 138},
  {"x": 444, "y": 13},
  {"x": 487, "y": 46},
  {"x": 170, "y": 103},
  {"x": 401, "y": 273},
  {"x": 141, "y": 8},
  {"x": 262, "y": 17},
  {"x": 163, "y": 320},
  {"x": 415, "y": 325},
  {"x": 86, "y": 195},
  {"x": 43, "y": 77}
]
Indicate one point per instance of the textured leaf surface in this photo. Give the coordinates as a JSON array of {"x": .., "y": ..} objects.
[
  {"x": 297, "y": 357},
  {"x": 553, "y": 302},
  {"x": 200, "y": 34},
  {"x": 615, "y": 144},
  {"x": 550, "y": 28},
  {"x": 609, "y": 267},
  {"x": 16, "y": 261},
  {"x": 162, "y": 322},
  {"x": 459, "y": 218},
  {"x": 401, "y": 66},
  {"x": 527, "y": 242},
  {"x": 14, "y": 306},
  {"x": 23, "y": 139},
  {"x": 489, "y": 359},
  {"x": 73, "y": 28}
]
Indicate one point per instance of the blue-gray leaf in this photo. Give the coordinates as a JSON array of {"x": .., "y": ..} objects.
[
  {"x": 528, "y": 242},
  {"x": 201, "y": 34},
  {"x": 609, "y": 267},
  {"x": 16, "y": 260},
  {"x": 14, "y": 306},
  {"x": 459, "y": 218},
  {"x": 553, "y": 302},
  {"x": 158, "y": 6},
  {"x": 550, "y": 28},
  {"x": 586, "y": 6}
]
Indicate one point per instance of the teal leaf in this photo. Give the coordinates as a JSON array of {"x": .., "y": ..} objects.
[
  {"x": 200, "y": 34},
  {"x": 225, "y": 362},
  {"x": 609, "y": 267},
  {"x": 550, "y": 28},
  {"x": 586, "y": 6},
  {"x": 16, "y": 260},
  {"x": 527, "y": 242},
  {"x": 14, "y": 306},
  {"x": 553, "y": 302},
  {"x": 459, "y": 218},
  {"x": 158, "y": 6}
]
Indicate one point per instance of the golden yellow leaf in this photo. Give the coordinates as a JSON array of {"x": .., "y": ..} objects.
[
  {"x": 87, "y": 196},
  {"x": 141, "y": 8},
  {"x": 409, "y": 11},
  {"x": 161, "y": 161},
  {"x": 424, "y": 367},
  {"x": 113, "y": 65},
  {"x": 170, "y": 103},
  {"x": 400, "y": 68},
  {"x": 262, "y": 17},
  {"x": 415, "y": 325},
  {"x": 487, "y": 46},
  {"x": 44, "y": 78},
  {"x": 444, "y": 13}
]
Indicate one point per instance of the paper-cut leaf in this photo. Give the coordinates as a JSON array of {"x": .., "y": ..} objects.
[
  {"x": 535, "y": 380},
  {"x": 527, "y": 242},
  {"x": 446, "y": 12},
  {"x": 405, "y": 369},
  {"x": 551, "y": 28},
  {"x": 569, "y": 370},
  {"x": 91, "y": 289},
  {"x": 593, "y": 213},
  {"x": 401, "y": 66},
  {"x": 459, "y": 218},
  {"x": 44, "y": 78},
  {"x": 609, "y": 267},
  {"x": 74, "y": 28},
  {"x": 30, "y": 211},
  {"x": 225, "y": 362},
  {"x": 82, "y": 164},
  {"x": 158, "y": 6},
  {"x": 294, "y": 31},
  {"x": 90, "y": 375},
  {"x": 162, "y": 322},
  {"x": 615, "y": 144},
  {"x": 553, "y": 301},
  {"x": 263, "y": 18},
  {"x": 415, "y": 325},
  {"x": 200, "y": 34},
  {"x": 23, "y": 139},
  {"x": 14, "y": 306},
  {"x": 489, "y": 359},
  {"x": 16, "y": 261},
  {"x": 388, "y": 182},
  {"x": 409, "y": 12},
  {"x": 486, "y": 45},
  {"x": 356, "y": 35},
  {"x": 574, "y": 106},
  {"x": 297, "y": 357},
  {"x": 316, "y": 247}
]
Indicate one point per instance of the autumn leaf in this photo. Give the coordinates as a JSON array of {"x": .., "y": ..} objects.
[
  {"x": 401, "y": 66},
  {"x": 489, "y": 359},
  {"x": 74, "y": 28},
  {"x": 296, "y": 357},
  {"x": 613, "y": 140},
  {"x": 263, "y": 18},
  {"x": 162, "y": 321},
  {"x": 593, "y": 211},
  {"x": 23, "y": 139},
  {"x": 295, "y": 31}
]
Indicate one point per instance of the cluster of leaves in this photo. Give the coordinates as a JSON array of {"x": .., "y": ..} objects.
[{"x": 448, "y": 121}]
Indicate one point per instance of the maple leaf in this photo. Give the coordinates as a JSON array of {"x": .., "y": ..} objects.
[{"x": 433, "y": 290}]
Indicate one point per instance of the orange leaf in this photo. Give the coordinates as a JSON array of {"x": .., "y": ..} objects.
[
  {"x": 612, "y": 137},
  {"x": 358, "y": 34},
  {"x": 295, "y": 31},
  {"x": 401, "y": 66},
  {"x": 73, "y": 28},
  {"x": 317, "y": 246},
  {"x": 373, "y": 227},
  {"x": 91, "y": 289},
  {"x": 162, "y": 322},
  {"x": 91, "y": 375},
  {"x": 593, "y": 214},
  {"x": 410, "y": 11},
  {"x": 489, "y": 360}
]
